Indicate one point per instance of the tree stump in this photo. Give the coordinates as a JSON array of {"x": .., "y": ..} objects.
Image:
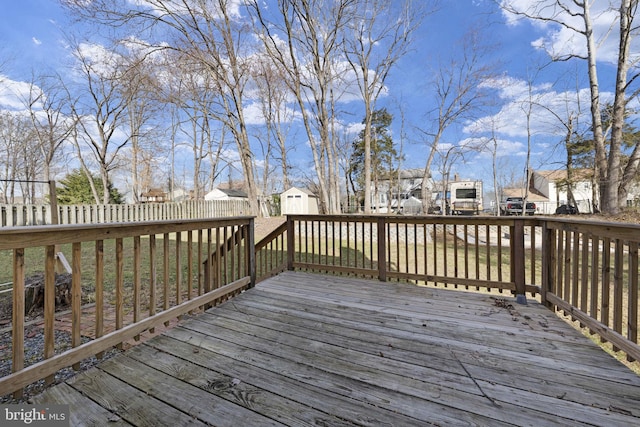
[{"x": 34, "y": 291}]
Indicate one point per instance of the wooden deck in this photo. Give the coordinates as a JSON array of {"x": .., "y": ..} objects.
[{"x": 303, "y": 349}]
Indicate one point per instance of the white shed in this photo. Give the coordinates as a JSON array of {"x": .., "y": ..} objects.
[{"x": 297, "y": 201}]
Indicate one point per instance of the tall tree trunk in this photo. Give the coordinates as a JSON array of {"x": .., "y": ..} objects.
[{"x": 619, "y": 108}]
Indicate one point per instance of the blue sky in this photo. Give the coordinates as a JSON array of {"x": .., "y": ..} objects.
[{"x": 31, "y": 32}]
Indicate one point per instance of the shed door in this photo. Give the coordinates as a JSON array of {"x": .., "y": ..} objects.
[{"x": 294, "y": 202}]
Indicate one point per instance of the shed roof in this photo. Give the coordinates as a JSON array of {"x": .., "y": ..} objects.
[{"x": 302, "y": 190}]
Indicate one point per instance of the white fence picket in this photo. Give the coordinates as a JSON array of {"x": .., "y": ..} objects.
[{"x": 21, "y": 215}]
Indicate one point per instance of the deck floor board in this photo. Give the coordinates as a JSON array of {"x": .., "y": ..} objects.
[{"x": 307, "y": 349}]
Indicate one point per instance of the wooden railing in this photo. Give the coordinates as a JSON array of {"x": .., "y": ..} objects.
[
  {"x": 271, "y": 253},
  {"x": 464, "y": 252},
  {"x": 149, "y": 273},
  {"x": 588, "y": 270},
  {"x": 144, "y": 274},
  {"x": 591, "y": 273}
]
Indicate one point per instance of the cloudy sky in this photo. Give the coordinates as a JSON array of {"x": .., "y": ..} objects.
[{"x": 32, "y": 33}]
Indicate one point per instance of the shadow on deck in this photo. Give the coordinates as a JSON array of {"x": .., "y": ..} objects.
[{"x": 307, "y": 349}]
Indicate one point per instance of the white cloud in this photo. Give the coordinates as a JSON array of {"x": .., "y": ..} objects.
[
  {"x": 231, "y": 155},
  {"x": 102, "y": 60},
  {"x": 12, "y": 93},
  {"x": 561, "y": 40},
  {"x": 36, "y": 41},
  {"x": 209, "y": 7},
  {"x": 549, "y": 109},
  {"x": 353, "y": 128},
  {"x": 443, "y": 147},
  {"x": 485, "y": 147},
  {"x": 253, "y": 113}
]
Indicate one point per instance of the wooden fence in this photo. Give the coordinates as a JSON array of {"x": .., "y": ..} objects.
[
  {"x": 26, "y": 215},
  {"x": 588, "y": 270},
  {"x": 140, "y": 276}
]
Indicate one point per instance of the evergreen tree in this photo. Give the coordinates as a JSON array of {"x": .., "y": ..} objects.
[
  {"x": 75, "y": 189},
  {"x": 384, "y": 156}
]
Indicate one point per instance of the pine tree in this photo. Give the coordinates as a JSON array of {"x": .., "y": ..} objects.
[
  {"x": 76, "y": 190},
  {"x": 384, "y": 156}
]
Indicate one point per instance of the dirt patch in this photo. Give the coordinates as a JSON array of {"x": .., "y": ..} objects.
[
  {"x": 264, "y": 226},
  {"x": 630, "y": 216}
]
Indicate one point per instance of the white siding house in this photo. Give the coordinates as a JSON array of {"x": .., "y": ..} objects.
[
  {"x": 225, "y": 194},
  {"x": 553, "y": 185},
  {"x": 296, "y": 201}
]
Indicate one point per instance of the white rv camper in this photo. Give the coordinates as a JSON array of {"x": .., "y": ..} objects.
[{"x": 465, "y": 197}]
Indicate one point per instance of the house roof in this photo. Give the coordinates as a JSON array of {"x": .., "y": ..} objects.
[
  {"x": 233, "y": 193},
  {"x": 411, "y": 173},
  {"x": 532, "y": 196},
  {"x": 154, "y": 192},
  {"x": 561, "y": 174}
]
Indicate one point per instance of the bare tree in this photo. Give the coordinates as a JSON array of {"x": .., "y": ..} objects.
[
  {"x": 377, "y": 36},
  {"x": 212, "y": 34},
  {"x": 99, "y": 113},
  {"x": 273, "y": 94},
  {"x": 527, "y": 107},
  {"x": 139, "y": 86},
  {"x": 17, "y": 159},
  {"x": 457, "y": 92},
  {"x": 612, "y": 180},
  {"x": 448, "y": 158},
  {"x": 48, "y": 103},
  {"x": 573, "y": 140},
  {"x": 304, "y": 40},
  {"x": 194, "y": 93}
]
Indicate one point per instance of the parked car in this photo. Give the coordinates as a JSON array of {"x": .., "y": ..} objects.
[
  {"x": 513, "y": 206},
  {"x": 566, "y": 210},
  {"x": 435, "y": 210}
]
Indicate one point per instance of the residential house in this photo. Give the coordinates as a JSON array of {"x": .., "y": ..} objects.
[
  {"x": 406, "y": 185},
  {"x": 180, "y": 195},
  {"x": 554, "y": 186},
  {"x": 153, "y": 195},
  {"x": 225, "y": 194}
]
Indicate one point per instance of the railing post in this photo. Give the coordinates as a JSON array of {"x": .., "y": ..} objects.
[
  {"x": 548, "y": 263},
  {"x": 382, "y": 249},
  {"x": 251, "y": 252},
  {"x": 517, "y": 260},
  {"x": 290, "y": 242}
]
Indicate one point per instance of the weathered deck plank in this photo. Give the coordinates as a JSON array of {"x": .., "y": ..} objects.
[
  {"x": 303, "y": 349},
  {"x": 342, "y": 331}
]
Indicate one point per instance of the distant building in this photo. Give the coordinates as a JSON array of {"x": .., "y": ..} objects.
[
  {"x": 554, "y": 186},
  {"x": 298, "y": 201},
  {"x": 226, "y": 194},
  {"x": 153, "y": 195},
  {"x": 180, "y": 195}
]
